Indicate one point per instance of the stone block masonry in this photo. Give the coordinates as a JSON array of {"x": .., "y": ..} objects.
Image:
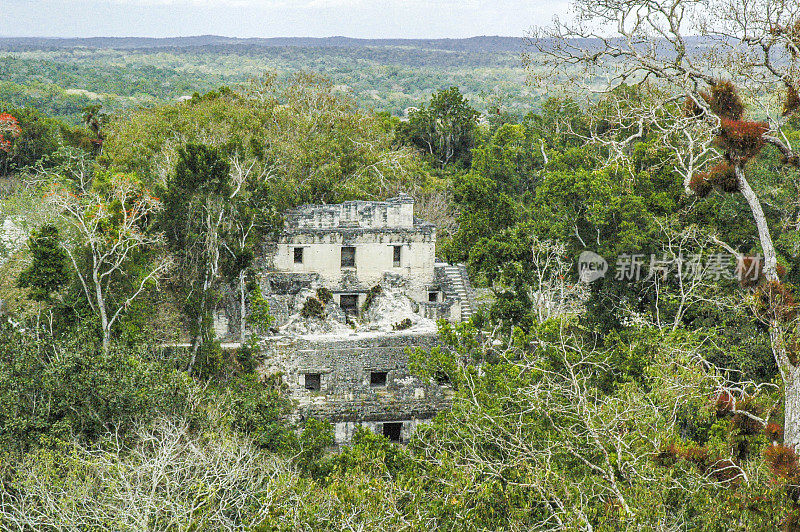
[
  {"x": 358, "y": 381},
  {"x": 369, "y": 269}
]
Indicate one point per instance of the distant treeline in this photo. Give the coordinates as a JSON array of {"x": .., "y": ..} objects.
[{"x": 472, "y": 44}]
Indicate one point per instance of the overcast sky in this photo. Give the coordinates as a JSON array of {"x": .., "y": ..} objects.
[{"x": 275, "y": 18}]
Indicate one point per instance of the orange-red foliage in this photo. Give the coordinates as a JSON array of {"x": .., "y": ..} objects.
[
  {"x": 792, "y": 102},
  {"x": 751, "y": 271},
  {"x": 723, "y": 177},
  {"x": 699, "y": 456},
  {"x": 691, "y": 109},
  {"x": 792, "y": 160},
  {"x": 724, "y": 100},
  {"x": 782, "y": 461},
  {"x": 746, "y": 425},
  {"x": 725, "y": 470},
  {"x": 778, "y": 300},
  {"x": 700, "y": 185},
  {"x": 774, "y": 432},
  {"x": 744, "y": 139},
  {"x": 9, "y": 127},
  {"x": 724, "y": 403},
  {"x": 668, "y": 455}
]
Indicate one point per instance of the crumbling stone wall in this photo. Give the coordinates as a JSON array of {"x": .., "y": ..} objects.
[{"x": 346, "y": 396}]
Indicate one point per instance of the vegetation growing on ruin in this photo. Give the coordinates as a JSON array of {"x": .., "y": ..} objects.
[
  {"x": 313, "y": 308},
  {"x": 644, "y": 399}
]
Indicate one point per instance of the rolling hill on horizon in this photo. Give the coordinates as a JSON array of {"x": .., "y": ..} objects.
[
  {"x": 62, "y": 76},
  {"x": 483, "y": 43}
]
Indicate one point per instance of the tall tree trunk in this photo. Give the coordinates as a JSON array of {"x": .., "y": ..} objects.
[
  {"x": 791, "y": 407},
  {"x": 101, "y": 307},
  {"x": 790, "y": 373},
  {"x": 242, "y": 306},
  {"x": 199, "y": 336}
]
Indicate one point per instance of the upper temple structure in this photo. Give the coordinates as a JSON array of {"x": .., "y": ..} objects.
[{"x": 351, "y": 247}]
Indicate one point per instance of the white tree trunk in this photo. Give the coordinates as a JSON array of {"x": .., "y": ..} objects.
[
  {"x": 791, "y": 423},
  {"x": 101, "y": 307},
  {"x": 790, "y": 373},
  {"x": 242, "y": 306}
]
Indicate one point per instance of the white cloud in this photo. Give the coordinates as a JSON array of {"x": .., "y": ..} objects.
[
  {"x": 277, "y": 18},
  {"x": 259, "y": 4},
  {"x": 204, "y": 3}
]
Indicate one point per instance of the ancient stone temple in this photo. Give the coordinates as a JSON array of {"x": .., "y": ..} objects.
[
  {"x": 351, "y": 247},
  {"x": 353, "y": 287}
]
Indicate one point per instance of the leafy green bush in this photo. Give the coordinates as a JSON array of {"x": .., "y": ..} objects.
[
  {"x": 260, "y": 409},
  {"x": 324, "y": 295},
  {"x": 48, "y": 271},
  {"x": 373, "y": 292},
  {"x": 406, "y": 323},
  {"x": 313, "y": 308},
  {"x": 372, "y": 453},
  {"x": 70, "y": 389},
  {"x": 259, "y": 316},
  {"x": 314, "y": 441}
]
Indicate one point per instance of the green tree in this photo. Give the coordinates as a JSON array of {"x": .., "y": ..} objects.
[
  {"x": 510, "y": 158},
  {"x": 260, "y": 409},
  {"x": 70, "y": 388},
  {"x": 195, "y": 209},
  {"x": 109, "y": 217},
  {"x": 484, "y": 210},
  {"x": 445, "y": 130},
  {"x": 48, "y": 271},
  {"x": 40, "y": 136}
]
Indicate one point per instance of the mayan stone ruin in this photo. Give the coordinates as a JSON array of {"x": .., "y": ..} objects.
[{"x": 352, "y": 288}]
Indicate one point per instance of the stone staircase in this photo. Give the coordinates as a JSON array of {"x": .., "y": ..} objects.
[{"x": 460, "y": 288}]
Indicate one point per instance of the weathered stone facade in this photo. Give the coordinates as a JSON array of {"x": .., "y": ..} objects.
[
  {"x": 342, "y": 380},
  {"x": 347, "y": 361},
  {"x": 352, "y": 245}
]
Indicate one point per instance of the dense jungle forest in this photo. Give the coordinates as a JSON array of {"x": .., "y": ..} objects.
[
  {"x": 62, "y": 76},
  {"x": 663, "y": 395}
]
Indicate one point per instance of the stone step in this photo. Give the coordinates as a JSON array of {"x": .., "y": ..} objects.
[{"x": 460, "y": 288}]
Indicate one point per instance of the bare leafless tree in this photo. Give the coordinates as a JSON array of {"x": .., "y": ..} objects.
[
  {"x": 169, "y": 480},
  {"x": 694, "y": 63},
  {"x": 552, "y": 292},
  {"x": 109, "y": 223}
]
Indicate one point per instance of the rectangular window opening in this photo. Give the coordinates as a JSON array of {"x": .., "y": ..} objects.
[
  {"x": 348, "y": 257},
  {"x": 398, "y": 250},
  {"x": 377, "y": 378},
  {"x": 433, "y": 297},
  {"x": 349, "y": 303},
  {"x": 313, "y": 381},
  {"x": 298, "y": 255},
  {"x": 393, "y": 431}
]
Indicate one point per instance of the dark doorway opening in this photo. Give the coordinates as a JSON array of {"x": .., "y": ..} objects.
[
  {"x": 377, "y": 378},
  {"x": 393, "y": 430},
  {"x": 349, "y": 303}
]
